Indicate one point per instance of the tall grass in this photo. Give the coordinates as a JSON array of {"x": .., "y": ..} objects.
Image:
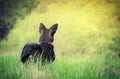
[{"x": 65, "y": 68}]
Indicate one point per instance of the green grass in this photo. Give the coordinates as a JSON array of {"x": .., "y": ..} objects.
[
  {"x": 83, "y": 42},
  {"x": 65, "y": 68}
]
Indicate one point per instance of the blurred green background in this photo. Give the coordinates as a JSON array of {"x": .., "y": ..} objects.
[{"x": 86, "y": 28}]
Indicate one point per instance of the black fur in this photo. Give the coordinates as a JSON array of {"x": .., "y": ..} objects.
[
  {"x": 43, "y": 52},
  {"x": 48, "y": 54},
  {"x": 30, "y": 49}
]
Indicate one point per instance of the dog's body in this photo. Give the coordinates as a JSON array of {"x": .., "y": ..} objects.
[{"x": 44, "y": 51}]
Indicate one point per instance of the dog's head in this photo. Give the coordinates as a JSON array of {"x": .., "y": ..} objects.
[{"x": 47, "y": 35}]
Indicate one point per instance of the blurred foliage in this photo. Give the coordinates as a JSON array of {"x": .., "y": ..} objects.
[
  {"x": 11, "y": 10},
  {"x": 86, "y": 27}
]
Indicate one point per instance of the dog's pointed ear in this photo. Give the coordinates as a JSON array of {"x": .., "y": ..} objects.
[
  {"x": 41, "y": 27},
  {"x": 54, "y": 28}
]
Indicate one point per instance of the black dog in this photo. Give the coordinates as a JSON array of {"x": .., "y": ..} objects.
[{"x": 43, "y": 52}]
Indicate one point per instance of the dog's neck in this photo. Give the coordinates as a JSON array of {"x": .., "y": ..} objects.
[
  {"x": 50, "y": 43},
  {"x": 47, "y": 46}
]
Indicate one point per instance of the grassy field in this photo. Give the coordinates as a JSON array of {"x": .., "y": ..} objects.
[
  {"x": 84, "y": 44},
  {"x": 66, "y": 68}
]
